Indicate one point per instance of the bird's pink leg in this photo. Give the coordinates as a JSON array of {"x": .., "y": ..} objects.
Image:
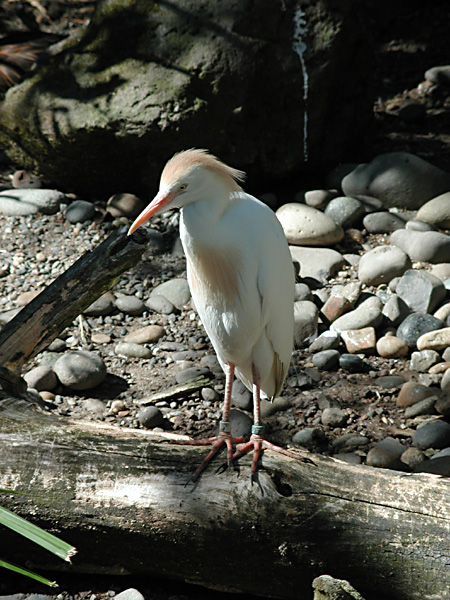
[{"x": 224, "y": 437}]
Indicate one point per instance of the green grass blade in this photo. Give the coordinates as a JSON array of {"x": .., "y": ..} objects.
[
  {"x": 34, "y": 533},
  {"x": 7, "y": 565}
]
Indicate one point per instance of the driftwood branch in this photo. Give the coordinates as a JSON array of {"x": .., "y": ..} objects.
[
  {"x": 120, "y": 497},
  {"x": 43, "y": 319}
]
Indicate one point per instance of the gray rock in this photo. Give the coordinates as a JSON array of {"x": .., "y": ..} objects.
[
  {"x": 435, "y": 434},
  {"x": 398, "y": 179},
  {"x": 425, "y": 246},
  {"x": 440, "y": 75},
  {"x": 125, "y": 205},
  {"x": 145, "y": 335},
  {"x": 367, "y": 314},
  {"x": 352, "y": 363},
  {"x": 415, "y": 325},
  {"x": 192, "y": 373},
  {"x": 270, "y": 408},
  {"x": 24, "y": 179},
  {"x": 421, "y": 290},
  {"x": 80, "y": 211},
  {"x": 307, "y": 226},
  {"x": 328, "y": 588},
  {"x": 424, "y": 407},
  {"x": 383, "y": 222},
  {"x": 160, "y": 304},
  {"x": 382, "y": 264},
  {"x": 306, "y": 317},
  {"x": 438, "y": 466},
  {"x": 334, "y": 417},
  {"x": 442, "y": 271},
  {"x": 319, "y": 198},
  {"x": 129, "y": 594},
  {"x": 41, "y": 378},
  {"x": 438, "y": 339},
  {"x": 436, "y": 211},
  {"x": 80, "y": 370},
  {"x": 386, "y": 454},
  {"x": 10, "y": 207},
  {"x": 240, "y": 423},
  {"x": 317, "y": 263},
  {"x": 345, "y": 211},
  {"x": 175, "y": 290},
  {"x": 413, "y": 392},
  {"x": 101, "y": 307},
  {"x": 422, "y": 361},
  {"x": 395, "y": 310},
  {"x": 326, "y": 360},
  {"x": 306, "y": 436},
  {"x": 328, "y": 340},
  {"x": 241, "y": 396},
  {"x": 130, "y": 305},
  {"x": 415, "y": 225},
  {"x": 302, "y": 292},
  {"x": 132, "y": 350},
  {"x": 150, "y": 417},
  {"x": 412, "y": 457},
  {"x": 45, "y": 201},
  {"x": 349, "y": 457},
  {"x": 390, "y": 382}
]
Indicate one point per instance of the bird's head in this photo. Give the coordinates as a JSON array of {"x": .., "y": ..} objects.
[{"x": 188, "y": 177}]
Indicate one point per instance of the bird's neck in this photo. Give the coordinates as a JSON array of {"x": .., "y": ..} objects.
[{"x": 202, "y": 218}]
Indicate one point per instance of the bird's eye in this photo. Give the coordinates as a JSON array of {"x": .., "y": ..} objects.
[{"x": 182, "y": 187}]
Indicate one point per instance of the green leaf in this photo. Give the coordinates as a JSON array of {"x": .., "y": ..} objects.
[
  {"x": 21, "y": 571},
  {"x": 34, "y": 533}
]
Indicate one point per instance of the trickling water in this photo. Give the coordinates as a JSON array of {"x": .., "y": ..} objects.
[{"x": 299, "y": 48}]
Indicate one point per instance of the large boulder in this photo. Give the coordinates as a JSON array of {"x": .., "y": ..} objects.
[{"x": 270, "y": 87}]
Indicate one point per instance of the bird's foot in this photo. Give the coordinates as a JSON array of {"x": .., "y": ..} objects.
[
  {"x": 257, "y": 443},
  {"x": 224, "y": 438}
]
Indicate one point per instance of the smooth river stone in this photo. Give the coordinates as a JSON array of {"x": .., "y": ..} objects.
[{"x": 306, "y": 226}]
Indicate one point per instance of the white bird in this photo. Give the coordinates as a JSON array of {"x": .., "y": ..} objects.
[{"x": 241, "y": 278}]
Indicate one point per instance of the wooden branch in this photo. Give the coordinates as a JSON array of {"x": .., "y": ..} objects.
[
  {"x": 120, "y": 498},
  {"x": 43, "y": 319}
]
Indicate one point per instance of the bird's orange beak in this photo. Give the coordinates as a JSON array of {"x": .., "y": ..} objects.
[{"x": 157, "y": 205}]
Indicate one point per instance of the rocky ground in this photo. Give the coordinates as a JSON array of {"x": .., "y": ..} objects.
[{"x": 344, "y": 402}]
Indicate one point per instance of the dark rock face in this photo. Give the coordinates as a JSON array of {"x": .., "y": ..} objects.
[{"x": 145, "y": 80}]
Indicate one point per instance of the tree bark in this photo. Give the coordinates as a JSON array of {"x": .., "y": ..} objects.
[
  {"x": 43, "y": 319},
  {"x": 120, "y": 497}
]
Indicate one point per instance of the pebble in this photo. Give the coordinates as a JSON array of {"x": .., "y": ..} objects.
[
  {"x": 352, "y": 363},
  {"x": 319, "y": 198},
  {"x": 104, "y": 305},
  {"x": 412, "y": 392},
  {"x": 424, "y": 246},
  {"x": 359, "y": 340},
  {"x": 100, "y": 338},
  {"x": 434, "y": 340},
  {"x": 436, "y": 211},
  {"x": 395, "y": 310},
  {"x": 440, "y": 75},
  {"x": 440, "y": 367},
  {"x": 240, "y": 424},
  {"x": 117, "y": 406},
  {"x": 125, "y": 205},
  {"x": 345, "y": 211},
  {"x": 306, "y": 317},
  {"x": 416, "y": 225},
  {"x": 41, "y": 200},
  {"x": 382, "y": 264},
  {"x": 422, "y": 361},
  {"x": 302, "y": 292},
  {"x": 306, "y": 226},
  {"x": 399, "y": 179},
  {"x": 306, "y": 436},
  {"x": 349, "y": 441},
  {"x": 317, "y": 263},
  {"x": 420, "y": 290},
  {"x": 326, "y": 360},
  {"x": 80, "y": 370},
  {"x": 80, "y": 211},
  {"x": 241, "y": 396},
  {"x": 349, "y": 457},
  {"x": 438, "y": 466},
  {"x": 424, "y": 407},
  {"x": 150, "y": 417},
  {"x": 390, "y": 346},
  {"x": 367, "y": 314},
  {"x": 443, "y": 405},
  {"x": 434, "y": 434},
  {"x": 445, "y": 381},
  {"x": 130, "y": 305},
  {"x": 24, "y": 179},
  {"x": 382, "y": 458},
  {"x": 390, "y": 382},
  {"x": 383, "y": 222},
  {"x": 175, "y": 290},
  {"x": 95, "y": 407},
  {"x": 192, "y": 373},
  {"x": 129, "y": 594},
  {"x": 145, "y": 335},
  {"x": 412, "y": 457},
  {"x": 58, "y": 345},
  {"x": 443, "y": 312},
  {"x": 160, "y": 304},
  {"x": 132, "y": 350},
  {"x": 416, "y": 325},
  {"x": 334, "y": 417},
  {"x": 41, "y": 378},
  {"x": 335, "y": 306},
  {"x": 26, "y": 297},
  {"x": 270, "y": 408},
  {"x": 328, "y": 340}
]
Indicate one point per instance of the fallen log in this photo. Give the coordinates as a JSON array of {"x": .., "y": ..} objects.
[
  {"x": 120, "y": 497},
  {"x": 54, "y": 309}
]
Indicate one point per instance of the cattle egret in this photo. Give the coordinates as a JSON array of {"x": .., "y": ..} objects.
[{"x": 241, "y": 277}]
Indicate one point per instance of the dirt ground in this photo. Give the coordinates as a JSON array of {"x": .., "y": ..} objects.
[{"x": 409, "y": 38}]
